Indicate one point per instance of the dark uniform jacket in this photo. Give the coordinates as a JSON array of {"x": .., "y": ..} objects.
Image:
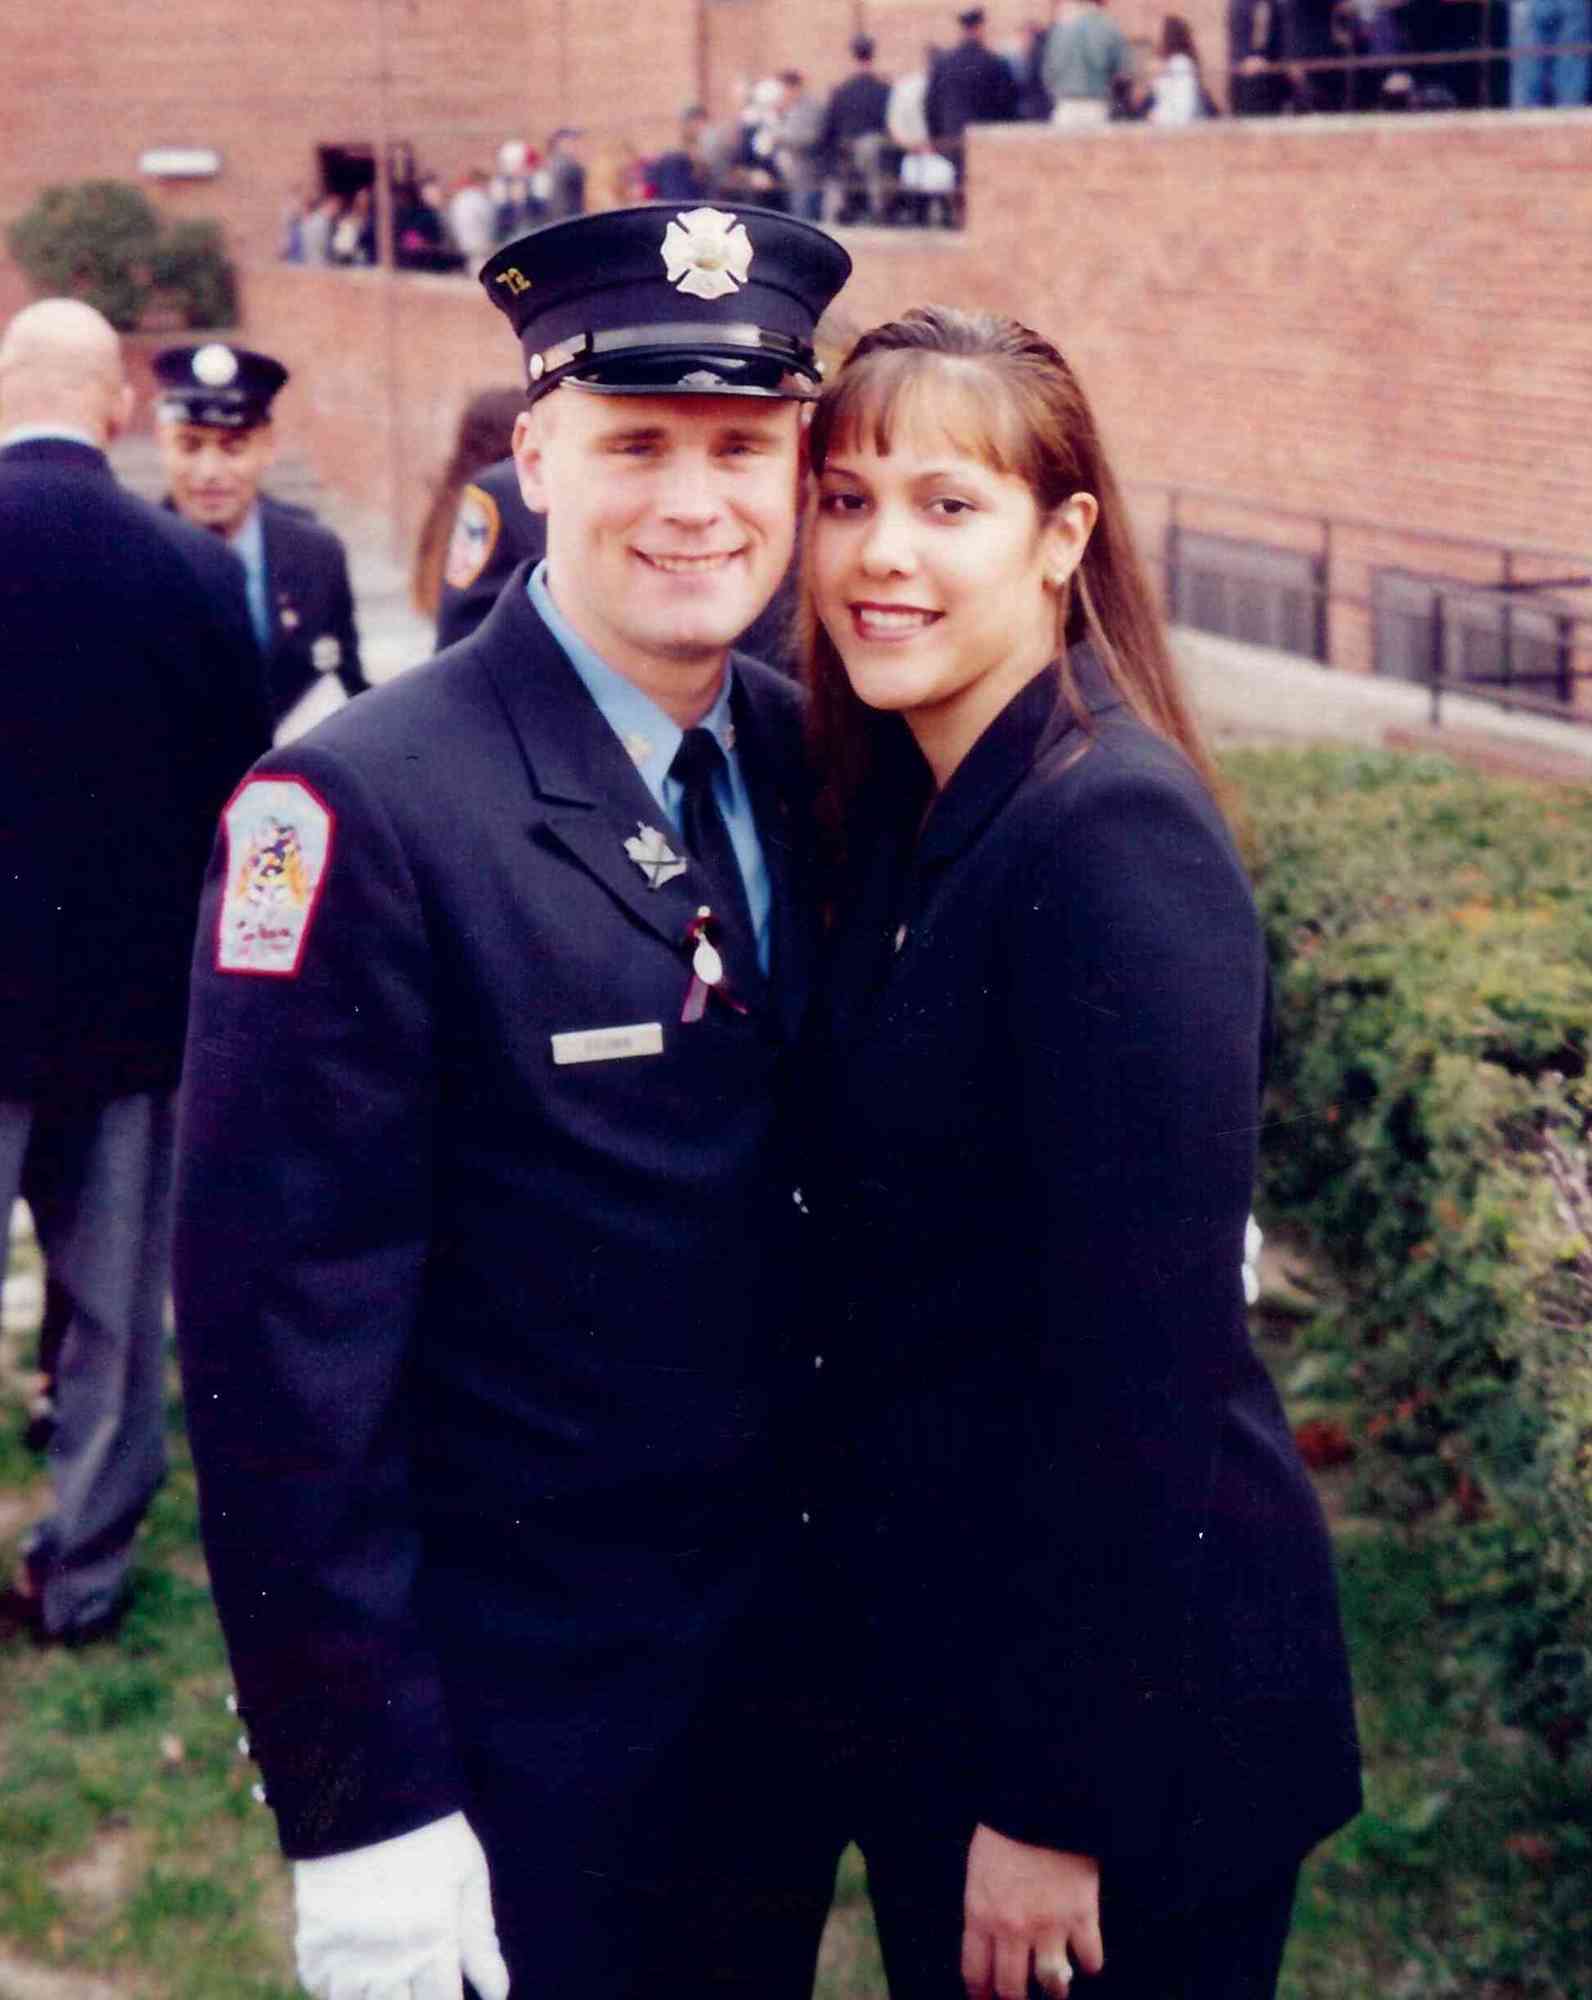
[
  {"x": 968, "y": 85},
  {"x": 1089, "y": 1570},
  {"x": 856, "y": 106},
  {"x": 312, "y": 606},
  {"x": 494, "y": 532},
  {"x": 480, "y": 1346},
  {"x": 130, "y": 704}
]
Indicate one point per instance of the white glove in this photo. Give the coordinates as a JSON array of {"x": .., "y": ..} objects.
[
  {"x": 1253, "y": 1239},
  {"x": 401, "y": 1919}
]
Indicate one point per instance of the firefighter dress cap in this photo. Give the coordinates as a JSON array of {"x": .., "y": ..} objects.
[
  {"x": 670, "y": 301},
  {"x": 231, "y": 387}
]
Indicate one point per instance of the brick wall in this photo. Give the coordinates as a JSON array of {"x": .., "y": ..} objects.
[
  {"x": 88, "y": 89},
  {"x": 1372, "y": 318}
]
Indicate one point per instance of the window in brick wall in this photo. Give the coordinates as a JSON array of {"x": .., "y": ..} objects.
[
  {"x": 1489, "y": 638},
  {"x": 1254, "y": 591}
]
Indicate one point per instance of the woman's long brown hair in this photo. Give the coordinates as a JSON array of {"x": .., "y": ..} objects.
[
  {"x": 484, "y": 434},
  {"x": 1001, "y": 393}
]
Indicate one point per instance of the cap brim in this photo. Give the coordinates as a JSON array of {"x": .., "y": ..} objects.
[{"x": 801, "y": 394}]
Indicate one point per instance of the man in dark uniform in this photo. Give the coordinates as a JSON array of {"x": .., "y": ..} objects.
[
  {"x": 855, "y": 135},
  {"x": 130, "y": 704},
  {"x": 969, "y": 85},
  {"x": 488, "y": 1240},
  {"x": 217, "y": 441}
]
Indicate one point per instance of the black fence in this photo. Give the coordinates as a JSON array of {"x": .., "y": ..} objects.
[{"x": 1506, "y": 623}]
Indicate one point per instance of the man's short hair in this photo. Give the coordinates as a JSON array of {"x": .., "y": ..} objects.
[{"x": 862, "y": 48}]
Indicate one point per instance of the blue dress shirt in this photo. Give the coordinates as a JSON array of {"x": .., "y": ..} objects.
[
  {"x": 651, "y": 739},
  {"x": 248, "y": 545}
]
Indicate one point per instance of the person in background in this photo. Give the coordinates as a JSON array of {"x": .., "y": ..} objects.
[
  {"x": 1254, "y": 39},
  {"x": 1071, "y": 1572},
  {"x": 566, "y": 174},
  {"x": 470, "y": 220},
  {"x": 752, "y": 172},
  {"x": 1034, "y": 102},
  {"x": 315, "y": 235},
  {"x": 906, "y": 120},
  {"x": 510, "y": 191},
  {"x": 1087, "y": 63},
  {"x": 684, "y": 174},
  {"x": 853, "y": 139},
  {"x": 290, "y": 242},
  {"x": 130, "y": 705},
  {"x": 420, "y": 229},
  {"x": 798, "y": 147},
  {"x": 217, "y": 440},
  {"x": 969, "y": 85},
  {"x": 1177, "y": 93},
  {"x": 1550, "y": 68},
  {"x": 353, "y": 238},
  {"x": 463, "y": 526}
]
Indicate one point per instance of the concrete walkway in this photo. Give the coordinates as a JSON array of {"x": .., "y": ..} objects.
[{"x": 1248, "y": 694}]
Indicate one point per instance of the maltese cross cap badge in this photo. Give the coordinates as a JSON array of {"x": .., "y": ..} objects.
[{"x": 706, "y": 253}]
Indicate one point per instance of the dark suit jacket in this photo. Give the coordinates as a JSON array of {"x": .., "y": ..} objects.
[
  {"x": 312, "y": 606},
  {"x": 479, "y": 1349},
  {"x": 968, "y": 85},
  {"x": 130, "y": 703},
  {"x": 495, "y": 524},
  {"x": 1087, "y": 1562},
  {"x": 855, "y": 106}
]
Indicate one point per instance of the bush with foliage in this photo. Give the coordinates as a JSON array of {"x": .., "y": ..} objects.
[
  {"x": 104, "y": 242},
  {"x": 190, "y": 269},
  {"x": 1431, "y": 942}
]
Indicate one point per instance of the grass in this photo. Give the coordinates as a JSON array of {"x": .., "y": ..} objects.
[{"x": 132, "y": 1852}]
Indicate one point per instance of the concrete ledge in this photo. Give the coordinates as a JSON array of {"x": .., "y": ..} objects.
[{"x": 1251, "y": 694}]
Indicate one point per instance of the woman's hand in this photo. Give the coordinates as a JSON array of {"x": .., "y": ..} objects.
[{"x": 1027, "y": 1906}]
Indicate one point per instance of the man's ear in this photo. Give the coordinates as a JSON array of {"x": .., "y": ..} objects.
[
  {"x": 531, "y": 429},
  {"x": 121, "y": 410}
]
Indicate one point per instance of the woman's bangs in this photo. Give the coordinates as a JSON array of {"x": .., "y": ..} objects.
[{"x": 936, "y": 402}]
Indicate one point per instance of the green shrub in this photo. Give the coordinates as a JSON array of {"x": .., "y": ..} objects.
[
  {"x": 1429, "y": 1130},
  {"x": 103, "y": 242},
  {"x": 91, "y": 240},
  {"x": 1431, "y": 941},
  {"x": 190, "y": 267}
]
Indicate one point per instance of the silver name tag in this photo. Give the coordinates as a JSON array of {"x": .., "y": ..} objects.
[{"x": 608, "y": 1044}]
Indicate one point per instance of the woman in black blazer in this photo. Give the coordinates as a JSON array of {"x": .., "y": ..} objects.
[{"x": 1088, "y": 1605}]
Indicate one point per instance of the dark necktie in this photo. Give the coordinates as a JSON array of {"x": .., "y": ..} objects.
[{"x": 708, "y": 843}]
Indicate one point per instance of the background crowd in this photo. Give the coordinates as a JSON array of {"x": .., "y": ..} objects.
[{"x": 888, "y": 149}]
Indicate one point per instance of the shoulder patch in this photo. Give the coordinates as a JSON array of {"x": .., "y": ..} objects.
[
  {"x": 475, "y": 534},
  {"x": 279, "y": 845}
]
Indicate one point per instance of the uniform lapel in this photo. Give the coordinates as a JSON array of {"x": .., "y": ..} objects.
[{"x": 591, "y": 797}]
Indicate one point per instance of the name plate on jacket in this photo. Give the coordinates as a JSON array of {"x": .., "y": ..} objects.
[{"x": 608, "y": 1044}]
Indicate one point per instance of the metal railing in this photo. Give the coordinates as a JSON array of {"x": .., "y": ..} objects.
[
  {"x": 1479, "y": 72},
  {"x": 1509, "y": 623}
]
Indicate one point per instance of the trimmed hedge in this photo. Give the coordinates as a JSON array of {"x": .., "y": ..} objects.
[
  {"x": 104, "y": 242},
  {"x": 1428, "y": 1130}
]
